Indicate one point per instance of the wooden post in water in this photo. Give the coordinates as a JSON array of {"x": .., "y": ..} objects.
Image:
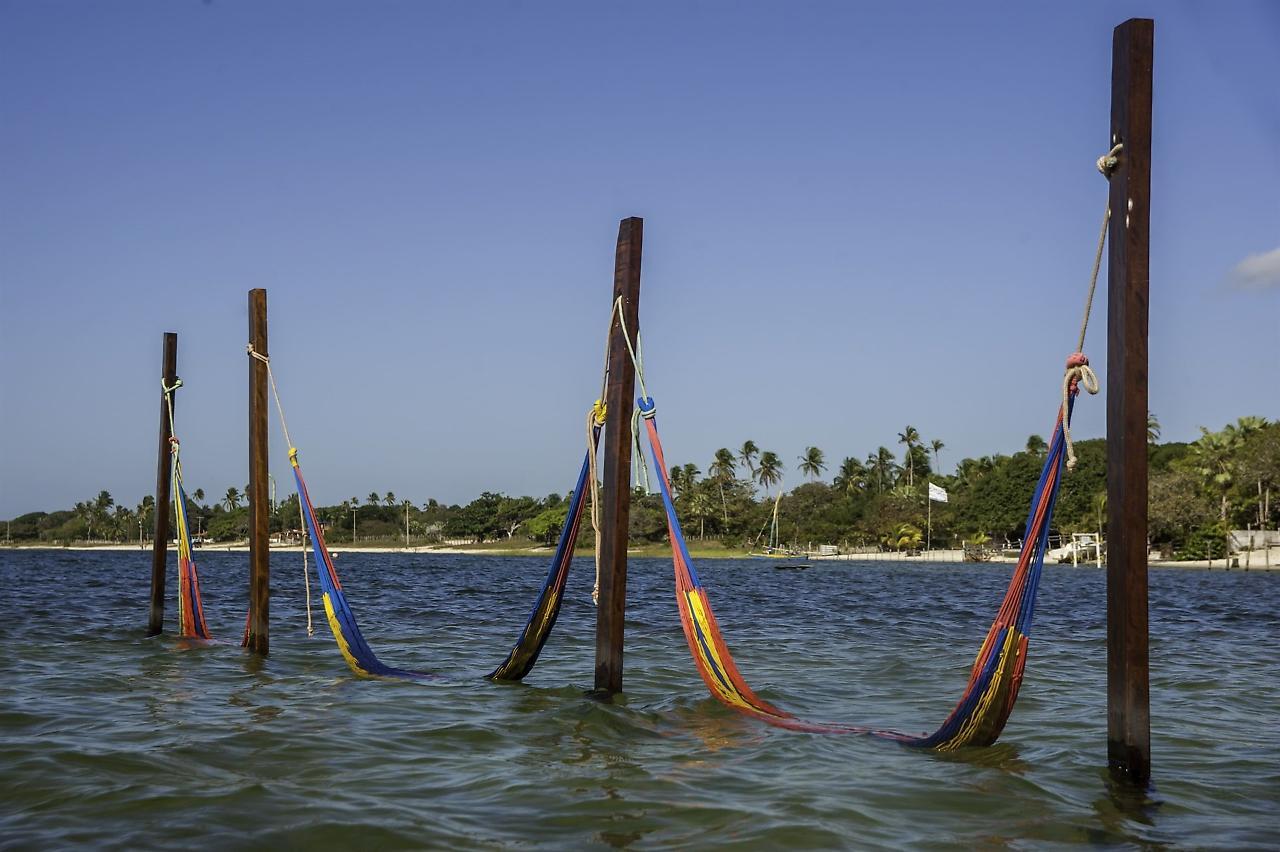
[
  {"x": 619, "y": 399},
  {"x": 257, "y": 634},
  {"x": 1128, "y": 699},
  {"x": 164, "y": 460}
]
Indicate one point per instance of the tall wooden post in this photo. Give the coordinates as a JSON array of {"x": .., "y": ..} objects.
[
  {"x": 164, "y": 460},
  {"x": 1128, "y": 700},
  {"x": 257, "y": 634},
  {"x": 619, "y": 399}
]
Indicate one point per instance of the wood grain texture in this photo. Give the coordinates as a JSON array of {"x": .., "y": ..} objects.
[
  {"x": 258, "y": 635},
  {"x": 164, "y": 484},
  {"x": 616, "y": 514},
  {"x": 1128, "y": 701}
]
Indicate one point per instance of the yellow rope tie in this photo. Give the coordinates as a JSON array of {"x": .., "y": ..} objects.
[
  {"x": 595, "y": 417},
  {"x": 293, "y": 460},
  {"x": 1079, "y": 373}
]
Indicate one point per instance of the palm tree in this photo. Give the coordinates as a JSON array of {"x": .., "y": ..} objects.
[
  {"x": 723, "y": 467},
  {"x": 1036, "y": 445},
  {"x": 812, "y": 462},
  {"x": 85, "y": 513},
  {"x": 910, "y": 437},
  {"x": 881, "y": 461},
  {"x": 748, "y": 453},
  {"x": 389, "y": 499},
  {"x": 769, "y": 473},
  {"x": 373, "y": 499},
  {"x": 198, "y": 496},
  {"x": 677, "y": 481},
  {"x": 937, "y": 446},
  {"x": 722, "y": 470},
  {"x": 231, "y": 499},
  {"x": 851, "y": 477},
  {"x": 691, "y": 474},
  {"x": 1212, "y": 453},
  {"x": 700, "y": 507},
  {"x": 1153, "y": 428}
]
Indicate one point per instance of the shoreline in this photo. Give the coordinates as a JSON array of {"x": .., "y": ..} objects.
[{"x": 1246, "y": 561}]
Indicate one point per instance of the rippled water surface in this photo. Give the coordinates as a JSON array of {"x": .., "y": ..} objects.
[{"x": 109, "y": 739}]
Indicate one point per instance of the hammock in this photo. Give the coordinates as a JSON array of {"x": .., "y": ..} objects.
[
  {"x": 342, "y": 621},
  {"x": 190, "y": 610},
  {"x": 546, "y": 609},
  {"x": 995, "y": 677}
]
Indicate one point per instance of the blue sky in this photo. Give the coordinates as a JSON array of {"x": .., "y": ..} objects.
[{"x": 857, "y": 217}]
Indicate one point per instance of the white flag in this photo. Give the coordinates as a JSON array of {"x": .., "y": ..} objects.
[{"x": 937, "y": 493}]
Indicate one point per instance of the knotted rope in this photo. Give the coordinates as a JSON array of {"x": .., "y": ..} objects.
[
  {"x": 293, "y": 460},
  {"x": 1079, "y": 373}
]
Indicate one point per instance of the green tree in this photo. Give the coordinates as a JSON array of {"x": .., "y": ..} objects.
[
  {"x": 851, "y": 478},
  {"x": 937, "y": 446},
  {"x": 1153, "y": 428},
  {"x": 231, "y": 500},
  {"x": 910, "y": 437},
  {"x": 748, "y": 453},
  {"x": 373, "y": 499},
  {"x": 389, "y": 499},
  {"x": 722, "y": 470},
  {"x": 1037, "y": 446},
  {"x": 813, "y": 462},
  {"x": 882, "y": 463},
  {"x": 770, "y": 471}
]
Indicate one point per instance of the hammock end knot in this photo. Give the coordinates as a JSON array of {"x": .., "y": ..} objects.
[
  {"x": 598, "y": 411},
  {"x": 648, "y": 409},
  {"x": 293, "y": 456}
]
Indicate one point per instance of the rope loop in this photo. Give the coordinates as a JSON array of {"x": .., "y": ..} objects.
[
  {"x": 174, "y": 444},
  {"x": 648, "y": 410},
  {"x": 598, "y": 412},
  {"x": 254, "y": 353},
  {"x": 1078, "y": 374},
  {"x": 1110, "y": 161},
  {"x": 169, "y": 389}
]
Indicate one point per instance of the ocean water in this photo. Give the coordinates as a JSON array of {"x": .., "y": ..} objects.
[{"x": 112, "y": 740}]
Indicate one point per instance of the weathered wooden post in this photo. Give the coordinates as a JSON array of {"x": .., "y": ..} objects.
[
  {"x": 1128, "y": 699},
  {"x": 257, "y": 634},
  {"x": 164, "y": 461},
  {"x": 619, "y": 399}
]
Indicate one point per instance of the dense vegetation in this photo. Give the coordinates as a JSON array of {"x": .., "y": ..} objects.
[{"x": 1198, "y": 491}]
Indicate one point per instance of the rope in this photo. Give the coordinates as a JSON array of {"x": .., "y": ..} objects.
[
  {"x": 595, "y": 417},
  {"x": 1078, "y": 373},
  {"x": 1078, "y": 370},
  {"x": 306, "y": 573},
  {"x": 293, "y": 460}
]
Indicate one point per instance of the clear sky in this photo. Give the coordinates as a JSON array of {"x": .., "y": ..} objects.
[{"x": 857, "y": 217}]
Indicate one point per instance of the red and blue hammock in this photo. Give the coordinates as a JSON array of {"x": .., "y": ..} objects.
[
  {"x": 342, "y": 621},
  {"x": 994, "y": 679}
]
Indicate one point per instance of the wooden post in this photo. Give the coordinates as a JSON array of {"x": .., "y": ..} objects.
[
  {"x": 164, "y": 460},
  {"x": 257, "y": 634},
  {"x": 619, "y": 399},
  {"x": 1128, "y": 699}
]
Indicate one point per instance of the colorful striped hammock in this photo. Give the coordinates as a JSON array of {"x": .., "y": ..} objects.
[
  {"x": 342, "y": 621},
  {"x": 994, "y": 679},
  {"x": 524, "y": 654},
  {"x": 190, "y": 609}
]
